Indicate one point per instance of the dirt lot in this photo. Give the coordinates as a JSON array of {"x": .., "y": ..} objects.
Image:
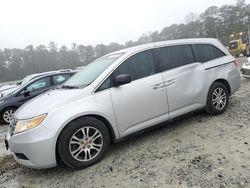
[{"x": 197, "y": 151}]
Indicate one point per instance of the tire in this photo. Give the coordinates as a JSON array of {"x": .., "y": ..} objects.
[
  {"x": 217, "y": 104},
  {"x": 78, "y": 151},
  {"x": 6, "y": 115}
]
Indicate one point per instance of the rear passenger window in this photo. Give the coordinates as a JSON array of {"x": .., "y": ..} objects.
[
  {"x": 173, "y": 56},
  {"x": 138, "y": 66},
  {"x": 59, "y": 79},
  {"x": 38, "y": 85},
  {"x": 206, "y": 52}
]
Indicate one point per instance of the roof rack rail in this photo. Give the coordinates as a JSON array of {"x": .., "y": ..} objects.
[{"x": 65, "y": 70}]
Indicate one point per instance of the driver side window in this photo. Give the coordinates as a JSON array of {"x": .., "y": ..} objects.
[
  {"x": 38, "y": 85},
  {"x": 138, "y": 66}
]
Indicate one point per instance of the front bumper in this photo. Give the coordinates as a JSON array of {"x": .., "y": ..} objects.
[{"x": 34, "y": 148}]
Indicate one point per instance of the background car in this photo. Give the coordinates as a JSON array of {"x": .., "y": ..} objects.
[
  {"x": 29, "y": 90},
  {"x": 6, "y": 89},
  {"x": 245, "y": 70}
]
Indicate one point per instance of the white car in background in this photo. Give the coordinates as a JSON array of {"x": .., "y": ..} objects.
[{"x": 245, "y": 70}]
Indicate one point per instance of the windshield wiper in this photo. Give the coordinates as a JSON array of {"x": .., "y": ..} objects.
[{"x": 69, "y": 87}]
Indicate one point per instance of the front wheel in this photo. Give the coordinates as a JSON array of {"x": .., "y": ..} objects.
[
  {"x": 7, "y": 115},
  {"x": 217, "y": 99},
  {"x": 83, "y": 142}
]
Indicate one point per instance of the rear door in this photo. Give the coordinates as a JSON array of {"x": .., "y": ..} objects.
[{"x": 184, "y": 78}]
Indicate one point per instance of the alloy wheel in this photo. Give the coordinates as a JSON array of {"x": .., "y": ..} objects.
[
  {"x": 7, "y": 115},
  {"x": 86, "y": 143},
  {"x": 219, "y": 98}
]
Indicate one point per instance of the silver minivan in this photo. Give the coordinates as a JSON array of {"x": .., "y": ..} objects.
[{"x": 119, "y": 94}]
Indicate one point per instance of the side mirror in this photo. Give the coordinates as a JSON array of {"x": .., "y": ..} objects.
[
  {"x": 26, "y": 93},
  {"x": 19, "y": 83},
  {"x": 122, "y": 79}
]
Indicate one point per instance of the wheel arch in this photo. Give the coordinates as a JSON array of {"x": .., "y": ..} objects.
[
  {"x": 9, "y": 106},
  {"x": 106, "y": 122},
  {"x": 99, "y": 117},
  {"x": 225, "y": 82},
  {"x": 6, "y": 107}
]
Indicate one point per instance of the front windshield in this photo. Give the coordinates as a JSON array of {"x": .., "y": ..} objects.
[
  {"x": 26, "y": 80},
  {"x": 91, "y": 72}
]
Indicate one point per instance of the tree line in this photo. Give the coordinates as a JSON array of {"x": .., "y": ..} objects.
[{"x": 214, "y": 22}]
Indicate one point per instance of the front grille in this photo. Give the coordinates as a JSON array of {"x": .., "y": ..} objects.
[
  {"x": 12, "y": 126},
  {"x": 245, "y": 71},
  {"x": 233, "y": 45}
]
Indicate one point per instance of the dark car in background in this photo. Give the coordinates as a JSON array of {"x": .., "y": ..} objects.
[
  {"x": 9, "y": 104},
  {"x": 6, "y": 89}
]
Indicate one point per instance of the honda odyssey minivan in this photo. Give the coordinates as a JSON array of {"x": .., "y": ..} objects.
[{"x": 119, "y": 94}]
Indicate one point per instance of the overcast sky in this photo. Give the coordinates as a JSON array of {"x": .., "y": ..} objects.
[{"x": 35, "y": 22}]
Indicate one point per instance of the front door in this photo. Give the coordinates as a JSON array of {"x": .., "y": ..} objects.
[{"x": 142, "y": 102}]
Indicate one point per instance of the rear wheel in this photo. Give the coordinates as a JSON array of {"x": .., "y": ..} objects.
[
  {"x": 83, "y": 142},
  {"x": 217, "y": 99},
  {"x": 7, "y": 115}
]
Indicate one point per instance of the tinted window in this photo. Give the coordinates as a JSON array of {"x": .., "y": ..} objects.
[
  {"x": 59, "y": 79},
  {"x": 173, "y": 56},
  {"x": 137, "y": 66},
  {"x": 206, "y": 52},
  {"x": 38, "y": 85}
]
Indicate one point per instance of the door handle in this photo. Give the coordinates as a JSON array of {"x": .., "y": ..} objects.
[
  {"x": 158, "y": 85},
  {"x": 170, "y": 82},
  {"x": 164, "y": 84}
]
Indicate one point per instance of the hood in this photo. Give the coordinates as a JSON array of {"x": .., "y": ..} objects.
[
  {"x": 6, "y": 87},
  {"x": 5, "y": 97},
  {"x": 7, "y": 92},
  {"x": 49, "y": 101}
]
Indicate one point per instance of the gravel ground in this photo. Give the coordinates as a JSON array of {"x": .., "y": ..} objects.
[{"x": 195, "y": 151}]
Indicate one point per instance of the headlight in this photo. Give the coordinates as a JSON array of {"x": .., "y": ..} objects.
[{"x": 27, "y": 124}]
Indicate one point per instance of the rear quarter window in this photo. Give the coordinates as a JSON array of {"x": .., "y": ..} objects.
[{"x": 206, "y": 52}]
